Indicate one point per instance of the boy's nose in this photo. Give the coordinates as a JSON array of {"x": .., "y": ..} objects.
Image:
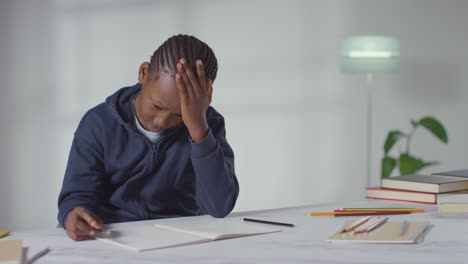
[{"x": 167, "y": 121}]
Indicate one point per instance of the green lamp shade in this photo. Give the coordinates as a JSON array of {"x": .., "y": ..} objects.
[{"x": 370, "y": 54}]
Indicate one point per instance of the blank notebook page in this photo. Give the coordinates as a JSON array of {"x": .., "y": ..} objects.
[
  {"x": 146, "y": 237},
  {"x": 218, "y": 228}
]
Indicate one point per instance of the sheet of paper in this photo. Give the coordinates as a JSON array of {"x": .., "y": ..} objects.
[
  {"x": 219, "y": 228},
  {"x": 147, "y": 237}
]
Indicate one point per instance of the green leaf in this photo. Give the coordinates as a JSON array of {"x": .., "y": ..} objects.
[
  {"x": 435, "y": 127},
  {"x": 392, "y": 138},
  {"x": 411, "y": 165},
  {"x": 388, "y": 164}
]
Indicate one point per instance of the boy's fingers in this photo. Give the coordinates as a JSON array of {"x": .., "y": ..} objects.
[
  {"x": 209, "y": 89},
  {"x": 82, "y": 228},
  {"x": 191, "y": 78},
  {"x": 185, "y": 80},
  {"x": 201, "y": 75},
  {"x": 77, "y": 237},
  {"x": 89, "y": 218},
  {"x": 181, "y": 86},
  {"x": 74, "y": 236}
]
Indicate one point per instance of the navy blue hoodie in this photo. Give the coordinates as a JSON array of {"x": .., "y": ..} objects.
[{"x": 118, "y": 174}]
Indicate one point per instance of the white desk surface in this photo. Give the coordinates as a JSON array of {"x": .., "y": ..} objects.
[{"x": 446, "y": 242}]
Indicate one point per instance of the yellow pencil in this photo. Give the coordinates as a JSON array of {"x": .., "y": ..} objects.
[
  {"x": 4, "y": 233},
  {"x": 322, "y": 214}
]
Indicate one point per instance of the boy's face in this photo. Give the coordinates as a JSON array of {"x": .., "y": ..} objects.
[{"x": 159, "y": 102}]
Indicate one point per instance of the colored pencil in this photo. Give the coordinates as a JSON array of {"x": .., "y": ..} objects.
[
  {"x": 378, "y": 208},
  {"x": 382, "y": 210},
  {"x": 4, "y": 233},
  {"x": 371, "y": 227},
  {"x": 356, "y": 213},
  {"x": 355, "y": 224}
]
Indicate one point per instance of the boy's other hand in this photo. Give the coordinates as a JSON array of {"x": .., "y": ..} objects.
[
  {"x": 82, "y": 224},
  {"x": 195, "y": 98}
]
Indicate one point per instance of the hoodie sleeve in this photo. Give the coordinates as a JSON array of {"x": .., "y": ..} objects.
[
  {"x": 217, "y": 187},
  {"x": 83, "y": 175}
]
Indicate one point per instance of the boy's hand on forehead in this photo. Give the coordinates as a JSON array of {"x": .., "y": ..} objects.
[{"x": 195, "y": 98}]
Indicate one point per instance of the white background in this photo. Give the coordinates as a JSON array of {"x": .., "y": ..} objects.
[{"x": 296, "y": 123}]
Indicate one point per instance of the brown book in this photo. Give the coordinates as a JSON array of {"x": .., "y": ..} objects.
[
  {"x": 457, "y": 208},
  {"x": 426, "y": 183},
  {"x": 11, "y": 251},
  {"x": 453, "y": 202},
  {"x": 401, "y": 195}
]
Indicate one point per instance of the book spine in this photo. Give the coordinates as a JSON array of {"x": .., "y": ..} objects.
[{"x": 399, "y": 200}]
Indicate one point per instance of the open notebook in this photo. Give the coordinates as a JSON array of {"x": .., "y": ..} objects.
[
  {"x": 180, "y": 233},
  {"x": 388, "y": 233}
]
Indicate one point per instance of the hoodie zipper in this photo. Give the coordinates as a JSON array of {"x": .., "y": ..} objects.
[
  {"x": 154, "y": 151},
  {"x": 153, "y": 145}
]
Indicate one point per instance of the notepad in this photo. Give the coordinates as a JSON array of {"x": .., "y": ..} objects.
[
  {"x": 388, "y": 233},
  {"x": 11, "y": 251},
  {"x": 180, "y": 233}
]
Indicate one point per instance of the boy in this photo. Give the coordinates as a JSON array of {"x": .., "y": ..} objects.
[{"x": 152, "y": 150}]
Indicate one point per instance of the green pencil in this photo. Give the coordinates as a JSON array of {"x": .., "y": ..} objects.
[{"x": 379, "y": 208}]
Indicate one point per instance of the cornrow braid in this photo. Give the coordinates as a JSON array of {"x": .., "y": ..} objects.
[{"x": 165, "y": 58}]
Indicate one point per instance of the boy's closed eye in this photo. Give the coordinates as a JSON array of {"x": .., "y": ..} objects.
[{"x": 157, "y": 107}]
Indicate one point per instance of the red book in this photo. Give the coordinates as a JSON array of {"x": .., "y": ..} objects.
[{"x": 401, "y": 195}]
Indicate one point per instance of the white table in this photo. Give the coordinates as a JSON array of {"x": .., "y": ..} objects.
[{"x": 446, "y": 242}]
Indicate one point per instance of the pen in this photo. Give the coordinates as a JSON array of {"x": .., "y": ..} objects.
[
  {"x": 267, "y": 222},
  {"x": 404, "y": 228},
  {"x": 37, "y": 256},
  {"x": 105, "y": 232}
]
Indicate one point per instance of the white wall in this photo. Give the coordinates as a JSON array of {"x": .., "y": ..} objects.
[{"x": 296, "y": 123}]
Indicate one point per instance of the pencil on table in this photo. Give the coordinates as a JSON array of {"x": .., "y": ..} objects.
[
  {"x": 380, "y": 210},
  {"x": 357, "y": 213},
  {"x": 372, "y": 226},
  {"x": 355, "y": 224},
  {"x": 4, "y": 233}
]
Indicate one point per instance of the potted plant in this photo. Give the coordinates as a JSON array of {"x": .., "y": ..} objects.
[{"x": 407, "y": 163}]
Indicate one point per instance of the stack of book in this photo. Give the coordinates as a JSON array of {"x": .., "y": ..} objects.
[{"x": 429, "y": 189}]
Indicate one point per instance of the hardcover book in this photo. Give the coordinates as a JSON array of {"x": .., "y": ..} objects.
[{"x": 426, "y": 183}]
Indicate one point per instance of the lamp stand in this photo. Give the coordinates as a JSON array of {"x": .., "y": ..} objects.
[{"x": 369, "y": 80}]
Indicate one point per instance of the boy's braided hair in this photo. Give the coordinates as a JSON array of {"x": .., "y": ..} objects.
[{"x": 166, "y": 57}]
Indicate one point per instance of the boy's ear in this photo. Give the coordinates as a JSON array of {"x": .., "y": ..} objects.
[{"x": 143, "y": 72}]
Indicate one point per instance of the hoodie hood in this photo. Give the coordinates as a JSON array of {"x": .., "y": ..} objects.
[{"x": 120, "y": 104}]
